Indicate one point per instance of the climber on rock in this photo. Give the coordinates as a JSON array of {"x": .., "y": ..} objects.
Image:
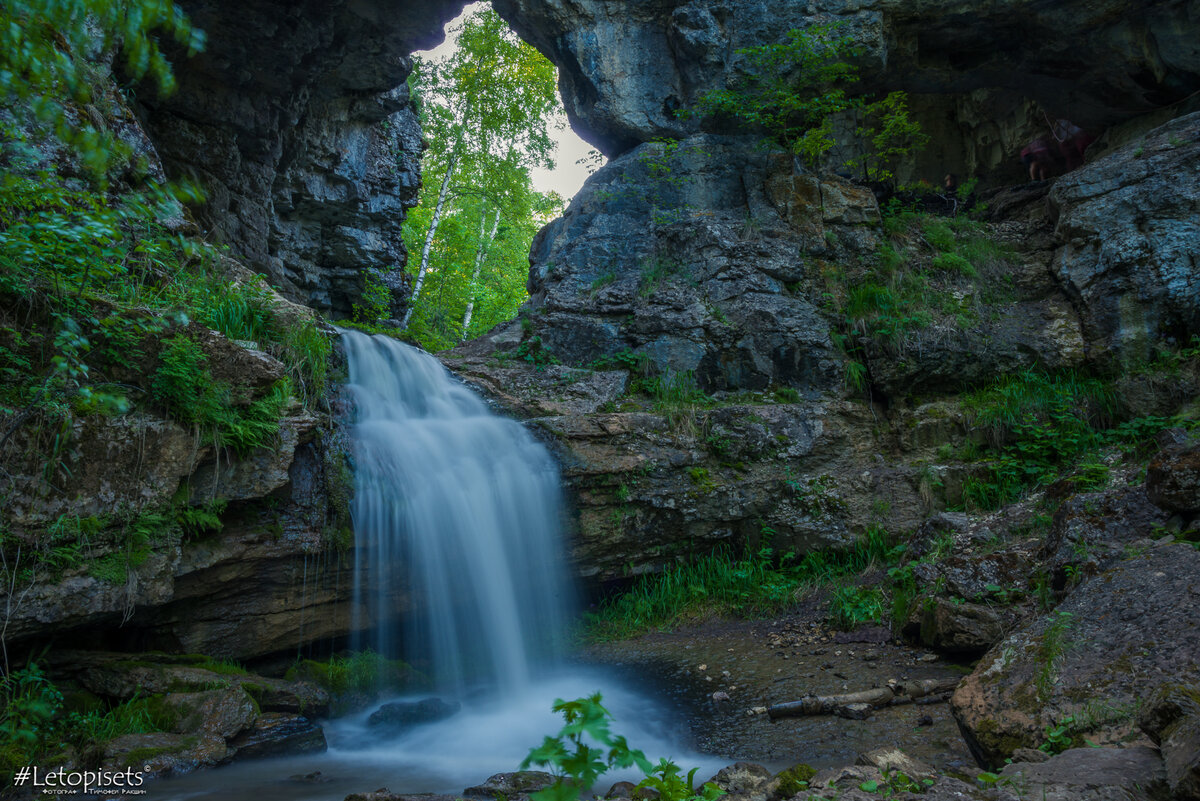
[
  {"x": 1038, "y": 157},
  {"x": 1072, "y": 142}
]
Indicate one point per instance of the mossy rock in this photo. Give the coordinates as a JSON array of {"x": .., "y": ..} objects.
[{"x": 793, "y": 781}]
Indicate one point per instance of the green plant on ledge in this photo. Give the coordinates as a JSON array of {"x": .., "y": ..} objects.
[{"x": 793, "y": 90}]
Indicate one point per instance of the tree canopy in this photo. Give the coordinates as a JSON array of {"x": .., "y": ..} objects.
[{"x": 488, "y": 111}]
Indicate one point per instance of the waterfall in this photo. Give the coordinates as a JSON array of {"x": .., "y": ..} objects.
[{"x": 462, "y": 506}]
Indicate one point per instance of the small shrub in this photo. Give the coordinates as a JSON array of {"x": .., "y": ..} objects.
[
  {"x": 795, "y": 780},
  {"x": 850, "y": 607},
  {"x": 360, "y": 672},
  {"x": 938, "y": 234},
  {"x": 674, "y": 391},
  {"x": 577, "y": 763},
  {"x": 657, "y": 271},
  {"x": 954, "y": 263},
  {"x": 603, "y": 280}
]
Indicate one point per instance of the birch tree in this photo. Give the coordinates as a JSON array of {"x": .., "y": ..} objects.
[{"x": 487, "y": 111}]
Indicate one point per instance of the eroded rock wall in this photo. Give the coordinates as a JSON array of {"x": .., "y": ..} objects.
[
  {"x": 981, "y": 74},
  {"x": 297, "y": 122}
]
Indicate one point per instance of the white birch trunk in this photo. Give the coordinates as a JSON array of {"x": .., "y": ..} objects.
[
  {"x": 480, "y": 252},
  {"x": 433, "y": 226}
]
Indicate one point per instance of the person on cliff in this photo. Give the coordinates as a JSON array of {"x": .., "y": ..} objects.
[
  {"x": 1072, "y": 142},
  {"x": 1038, "y": 158}
]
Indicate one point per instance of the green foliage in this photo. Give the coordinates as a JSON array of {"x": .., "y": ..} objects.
[
  {"x": 1038, "y": 424},
  {"x": 103, "y": 281},
  {"x": 487, "y": 111},
  {"x": 376, "y": 302},
  {"x": 939, "y": 235},
  {"x": 757, "y": 584},
  {"x": 196, "y": 521},
  {"x": 851, "y": 606},
  {"x": 603, "y": 280},
  {"x": 1058, "y": 737},
  {"x": 533, "y": 351},
  {"x": 790, "y": 90},
  {"x": 890, "y": 136},
  {"x": 361, "y": 672},
  {"x": 856, "y": 376},
  {"x": 954, "y": 263},
  {"x": 787, "y": 395},
  {"x": 930, "y": 270},
  {"x": 674, "y": 391},
  {"x": 185, "y": 387},
  {"x": 1050, "y": 652},
  {"x": 36, "y": 724},
  {"x": 585, "y": 749},
  {"x": 637, "y": 363},
  {"x": 894, "y": 782},
  {"x": 655, "y": 272},
  {"x": 793, "y": 90},
  {"x": 795, "y": 780},
  {"x": 576, "y": 763},
  {"x": 45, "y": 47}
]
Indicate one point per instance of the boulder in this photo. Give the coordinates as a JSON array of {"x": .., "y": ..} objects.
[
  {"x": 213, "y": 713},
  {"x": 279, "y": 734},
  {"x": 297, "y": 697},
  {"x": 405, "y": 714},
  {"x": 165, "y": 754},
  {"x": 893, "y": 760},
  {"x": 1092, "y": 774},
  {"x": 627, "y": 66},
  {"x": 307, "y": 141},
  {"x": 745, "y": 781},
  {"x": 959, "y": 626},
  {"x": 1172, "y": 720},
  {"x": 514, "y": 785},
  {"x": 1173, "y": 480},
  {"x": 1093, "y": 659},
  {"x": 1092, "y": 529}
]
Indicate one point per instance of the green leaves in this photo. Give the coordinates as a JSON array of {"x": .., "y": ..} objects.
[
  {"x": 487, "y": 111},
  {"x": 578, "y": 763},
  {"x": 792, "y": 91},
  {"x": 569, "y": 756},
  {"x": 46, "y": 47}
]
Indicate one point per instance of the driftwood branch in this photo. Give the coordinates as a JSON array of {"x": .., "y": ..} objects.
[{"x": 858, "y": 705}]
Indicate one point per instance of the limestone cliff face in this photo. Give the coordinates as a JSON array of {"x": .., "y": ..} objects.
[
  {"x": 975, "y": 70},
  {"x": 297, "y": 121}
]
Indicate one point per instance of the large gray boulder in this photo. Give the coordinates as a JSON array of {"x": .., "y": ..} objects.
[{"x": 1093, "y": 659}]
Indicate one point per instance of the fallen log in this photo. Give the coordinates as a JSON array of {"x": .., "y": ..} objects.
[{"x": 858, "y": 705}]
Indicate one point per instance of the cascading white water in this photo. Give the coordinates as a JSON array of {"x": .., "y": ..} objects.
[{"x": 464, "y": 507}]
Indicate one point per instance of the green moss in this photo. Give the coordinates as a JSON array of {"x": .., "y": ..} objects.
[
  {"x": 993, "y": 741},
  {"x": 139, "y": 756},
  {"x": 794, "y": 780}
]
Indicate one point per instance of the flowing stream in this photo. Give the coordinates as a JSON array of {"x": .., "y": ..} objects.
[{"x": 462, "y": 507}]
